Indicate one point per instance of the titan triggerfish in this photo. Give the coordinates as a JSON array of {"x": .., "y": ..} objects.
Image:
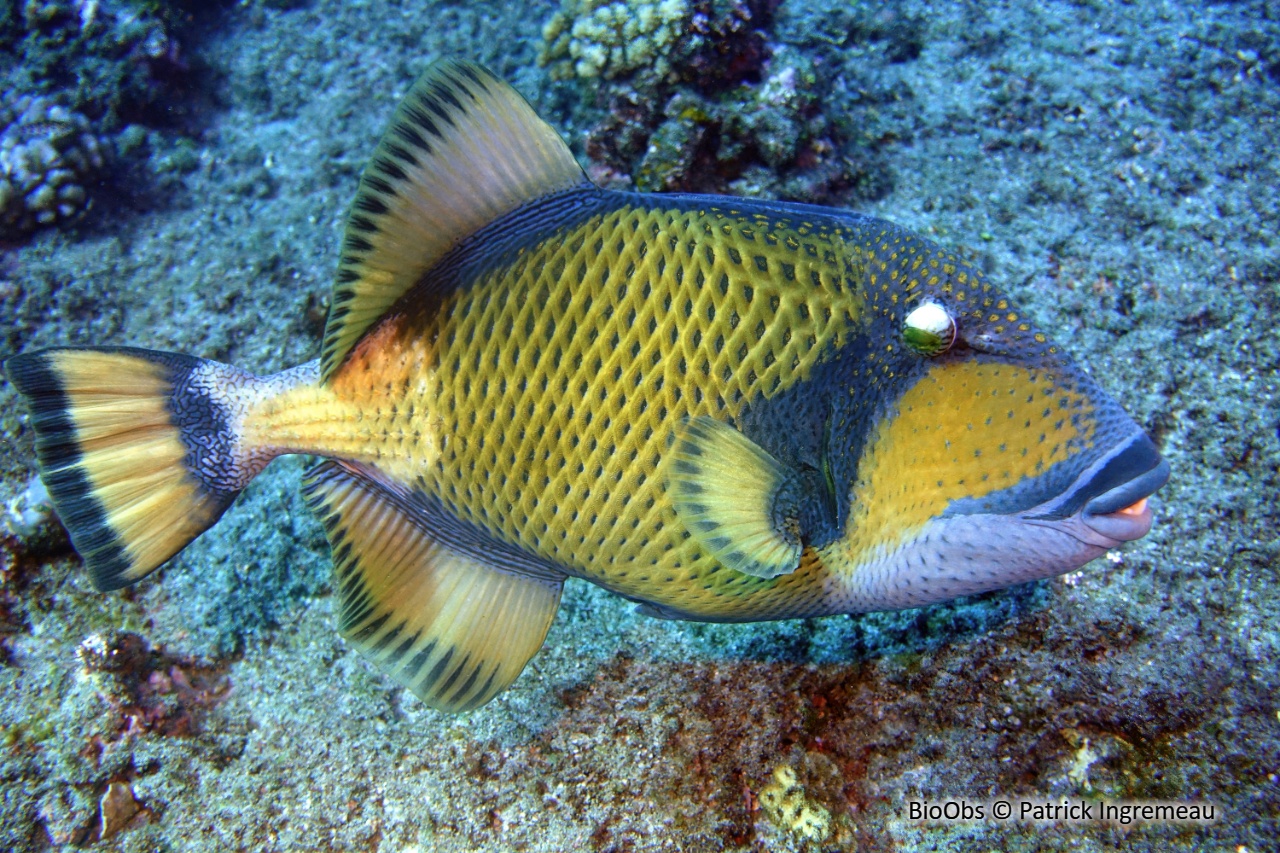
[{"x": 720, "y": 408}]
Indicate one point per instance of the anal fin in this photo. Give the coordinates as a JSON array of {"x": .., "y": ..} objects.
[
  {"x": 735, "y": 499},
  {"x": 453, "y": 629}
]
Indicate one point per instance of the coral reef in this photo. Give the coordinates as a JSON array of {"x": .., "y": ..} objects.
[
  {"x": 88, "y": 74},
  {"x": 91, "y": 756},
  {"x": 600, "y": 38},
  {"x": 48, "y": 155},
  {"x": 767, "y": 139},
  {"x": 785, "y": 802},
  {"x": 724, "y": 109},
  {"x": 113, "y": 60},
  {"x": 728, "y": 45}
]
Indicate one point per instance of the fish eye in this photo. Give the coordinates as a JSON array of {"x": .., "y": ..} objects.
[{"x": 930, "y": 329}]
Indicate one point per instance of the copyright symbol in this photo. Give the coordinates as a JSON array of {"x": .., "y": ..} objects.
[{"x": 1000, "y": 810}]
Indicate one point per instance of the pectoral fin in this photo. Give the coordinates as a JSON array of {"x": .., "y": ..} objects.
[{"x": 734, "y": 498}]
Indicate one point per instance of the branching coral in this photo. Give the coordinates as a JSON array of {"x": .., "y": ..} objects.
[
  {"x": 598, "y": 38},
  {"x": 700, "y": 99}
]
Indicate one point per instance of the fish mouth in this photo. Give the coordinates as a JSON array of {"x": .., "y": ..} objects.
[
  {"x": 1122, "y": 513},
  {"x": 1109, "y": 500}
]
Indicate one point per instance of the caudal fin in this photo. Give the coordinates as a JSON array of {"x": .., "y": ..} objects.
[{"x": 137, "y": 448}]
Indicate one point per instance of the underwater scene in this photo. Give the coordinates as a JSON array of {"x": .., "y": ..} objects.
[{"x": 637, "y": 425}]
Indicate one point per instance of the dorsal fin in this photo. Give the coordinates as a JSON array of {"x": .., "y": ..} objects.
[{"x": 463, "y": 148}]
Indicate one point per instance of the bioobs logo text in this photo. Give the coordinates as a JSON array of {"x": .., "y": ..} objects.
[
  {"x": 1065, "y": 810},
  {"x": 950, "y": 811}
]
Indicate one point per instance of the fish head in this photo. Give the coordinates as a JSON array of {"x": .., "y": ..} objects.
[{"x": 992, "y": 458}]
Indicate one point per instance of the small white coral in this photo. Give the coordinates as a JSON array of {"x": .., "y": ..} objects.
[
  {"x": 1078, "y": 772},
  {"x": 28, "y": 512},
  {"x": 609, "y": 39},
  {"x": 47, "y": 154}
]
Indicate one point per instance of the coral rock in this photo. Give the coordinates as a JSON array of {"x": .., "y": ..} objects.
[
  {"x": 117, "y": 808},
  {"x": 785, "y": 802},
  {"x": 611, "y": 39},
  {"x": 47, "y": 155}
]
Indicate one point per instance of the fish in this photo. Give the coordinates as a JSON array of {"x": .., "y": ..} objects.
[{"x": 722, "y": 409}]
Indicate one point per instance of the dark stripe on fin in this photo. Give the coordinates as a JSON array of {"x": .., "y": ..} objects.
[
  {"x": 135, "y": 448},
  {"x": 462, "y": 616},
  {"x": 467, "y": 685},
  {"x": 485, "y": 153},
  {"x": 474, "y": 702}
]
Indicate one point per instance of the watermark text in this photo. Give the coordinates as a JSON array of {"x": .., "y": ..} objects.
[{"x": 1063, "y": 810}]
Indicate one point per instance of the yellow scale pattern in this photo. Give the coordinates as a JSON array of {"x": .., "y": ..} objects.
[
  {"x": 544, "y": 395},
  {"x": 981, "y": 427}
]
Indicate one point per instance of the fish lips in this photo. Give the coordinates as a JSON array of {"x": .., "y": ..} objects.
[
  {"x": 1122, "y": 513},
  {"x": 1107, "y": 505}
]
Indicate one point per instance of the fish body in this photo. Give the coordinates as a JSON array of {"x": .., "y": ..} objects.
[{"x": 723, "y": 409}]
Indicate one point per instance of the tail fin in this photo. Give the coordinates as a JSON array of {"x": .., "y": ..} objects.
[{"x": 137, "y": 448}]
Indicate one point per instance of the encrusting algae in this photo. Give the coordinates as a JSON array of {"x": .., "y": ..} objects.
[{"x": 722, "y": 409}]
